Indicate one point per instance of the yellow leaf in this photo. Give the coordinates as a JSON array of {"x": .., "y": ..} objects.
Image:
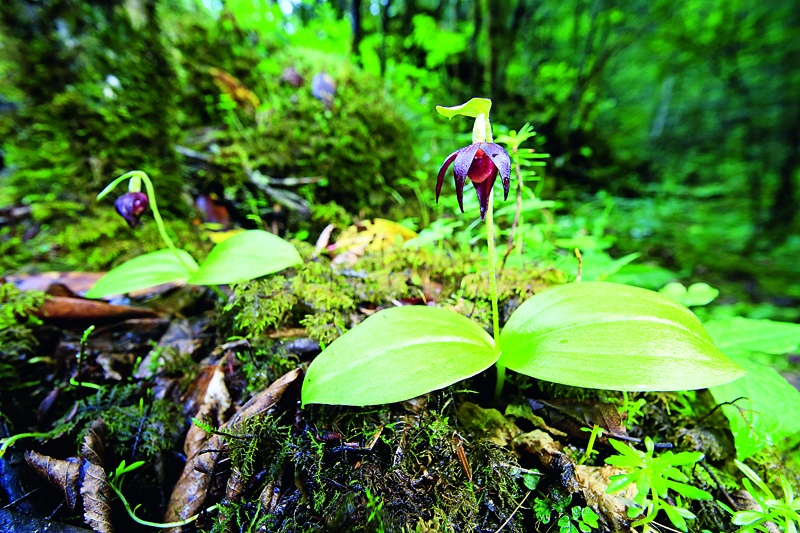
[{"x": 371, "y": 236}]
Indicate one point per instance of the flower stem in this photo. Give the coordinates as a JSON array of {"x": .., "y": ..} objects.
[
  {"x": 501, "y": 370},
  {"x": 151, "y": 196}
]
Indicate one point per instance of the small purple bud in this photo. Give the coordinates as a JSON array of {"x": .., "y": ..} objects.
[{"x": 131, "y": 205}]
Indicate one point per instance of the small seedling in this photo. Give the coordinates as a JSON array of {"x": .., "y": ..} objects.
[
  {"x": 654, "y": 477},
  {"x": 784, "y": 513}
]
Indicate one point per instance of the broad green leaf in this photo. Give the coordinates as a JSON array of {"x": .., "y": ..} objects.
[
  {"x": 769, "y": 408},
  {"x": 145, "y": 271},
  {"x": 740, "y": 335},
  {"x": 473, "y": 108},
  {"x": 245, "y": 256},
  {"x": 770, "y": 404},
  {"x": 398, "y": 354},
  {"x": 610, "y": 336}
]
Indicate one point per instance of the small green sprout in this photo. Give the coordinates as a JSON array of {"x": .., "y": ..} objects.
[
  {"x": 655, "y": 476},
  {"x": 115, "y": 480},
  {"x": 783, "y": 513},
  {"x": 573, "y": 519}
]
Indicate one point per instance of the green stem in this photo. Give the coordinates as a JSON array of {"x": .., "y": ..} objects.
[
  {"x": 162, "y": 230},
  {"x": 9, "y": 441},
  {"x": 159, "y": 525},
  {"x": 501, "y": 370},
  {"x": 222, "y": 296}
]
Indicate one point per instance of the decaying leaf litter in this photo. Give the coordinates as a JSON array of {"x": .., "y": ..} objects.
[{"x": 452, "y": 460}]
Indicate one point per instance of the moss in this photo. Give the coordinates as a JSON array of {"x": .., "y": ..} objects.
[
  {"x": 138, "y": 423},
  {"x": 16, "y": 319}
]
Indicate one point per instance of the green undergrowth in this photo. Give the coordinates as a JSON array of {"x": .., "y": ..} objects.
[
  {"x": 326, "y": 300},
  {"x": 394, "y": 468}
]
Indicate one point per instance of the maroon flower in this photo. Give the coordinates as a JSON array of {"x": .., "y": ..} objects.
[
  {"x": 480, "y": 162},
  {"x": 131, "y": 205}
]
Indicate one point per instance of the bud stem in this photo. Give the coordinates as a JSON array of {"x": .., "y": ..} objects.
[{"x": 151, "y": 196}]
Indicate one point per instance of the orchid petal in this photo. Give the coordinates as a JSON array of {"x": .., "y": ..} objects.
[
  {"x": 502, "y": 161},
  {"x": 464, "y": 160},
  {"x": 442, "y": 171}
]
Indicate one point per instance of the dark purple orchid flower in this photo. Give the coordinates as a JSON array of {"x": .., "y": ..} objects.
[
  {"x": 131, "y": 205},
  {"x": 480, "y": 162}
]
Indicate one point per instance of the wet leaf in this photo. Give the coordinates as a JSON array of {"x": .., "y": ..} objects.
[
  {"x": 611, "y": 336},
  {"x": 397, "y": 354}
]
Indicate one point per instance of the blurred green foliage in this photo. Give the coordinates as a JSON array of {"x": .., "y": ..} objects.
[{"x": 672, "y": 127}]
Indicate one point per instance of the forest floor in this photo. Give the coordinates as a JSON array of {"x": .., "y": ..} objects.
[{"x": 189, "y": 407}]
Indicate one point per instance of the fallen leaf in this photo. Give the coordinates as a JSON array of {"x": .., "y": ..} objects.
[
  {"x": 234, "y": 88},
  {"x": 63, "y": 309},
  {"x": 63, "y": 474},
  {"x": 95, "y": 489},
  {"x": 77, "y": 282},
  {"x": 612, "y": 508},
  {"x": 23, "y": 523},
  {"x": 182, "y": 338},
  {"x": 371, "y": 236},
  {"x": 190, "y": 491},
  {"x": 548, "y": 451}
]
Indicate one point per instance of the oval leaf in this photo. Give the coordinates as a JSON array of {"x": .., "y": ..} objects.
[
  {"x": 245, "y": 256},
  {"x": 145, "y": 271},
  {"x": 398, "y": 354},
  {"x": 473, "y": 108},
  {"x": 611, "y": 336}
]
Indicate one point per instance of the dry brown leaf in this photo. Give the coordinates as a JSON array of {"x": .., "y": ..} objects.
[
  {"x": 61, "y": 309},
  {"x": 578, "y": 414},
  {"x": 95, "y": 490},
  {"x": 593, "y": 481},
  {"x": 190, "y": 491},
  {"x": 234, "y": 88},
  {"x": 264, "y": 399},
  {"x": 62, "y": 474},
  {"x": 217, "y": 393},
  {"x": 548, "y": 451},
  {"x": 77, "y": 282}
]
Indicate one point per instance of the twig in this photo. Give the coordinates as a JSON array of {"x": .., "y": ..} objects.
[
  {"x": 720, "y": 486},
  {"x": 513, "y": 512}
]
